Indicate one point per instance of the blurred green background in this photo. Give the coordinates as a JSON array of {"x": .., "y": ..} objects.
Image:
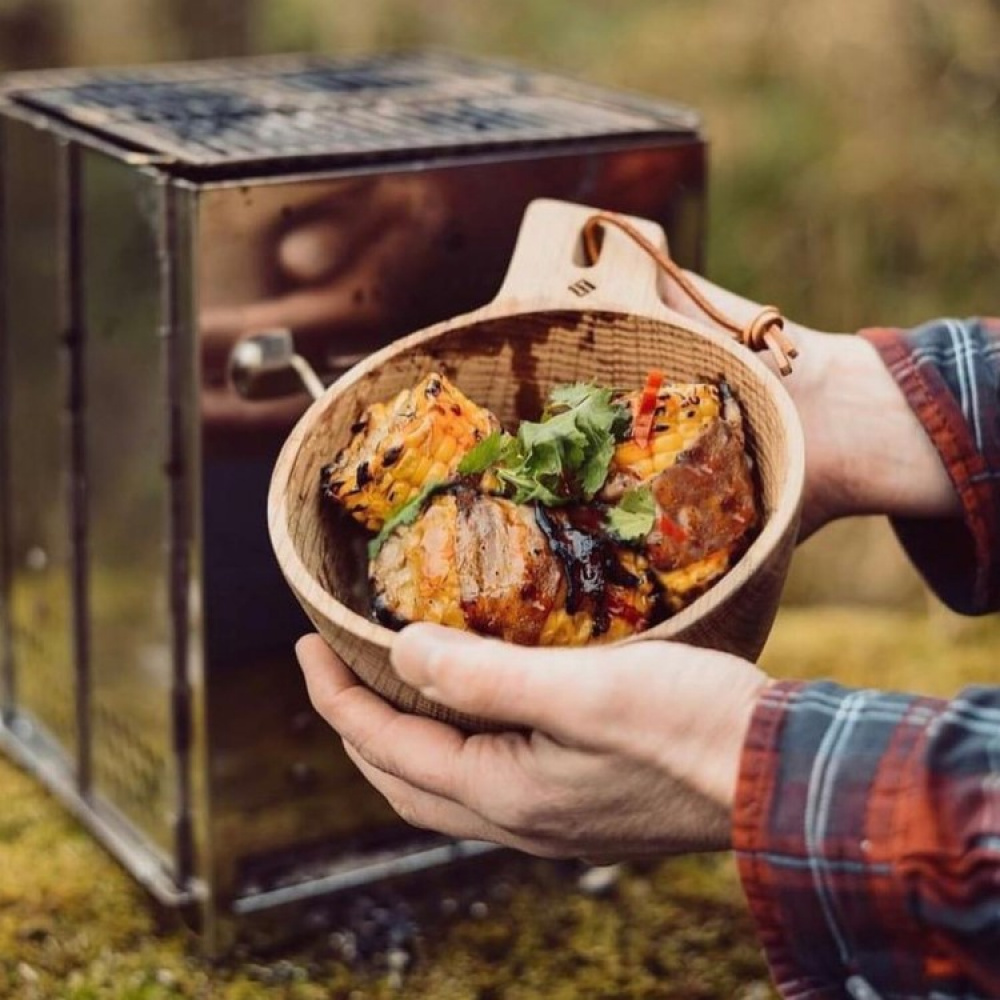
[
  {"x": 854, "y": 146},
  {"x": 854, "y": 181}
]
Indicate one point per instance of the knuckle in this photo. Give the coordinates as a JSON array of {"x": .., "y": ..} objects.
[
  {"x": 496, "y": 691},
  {"x": 371, "y": 747},
  {"x": 526, "y": 811},
  {"x": 514, "y": 814}
]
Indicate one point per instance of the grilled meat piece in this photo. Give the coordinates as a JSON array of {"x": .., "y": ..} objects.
[
  {"x": 684, "y": 410},
  {"x": 706, "y": 513},
  {"x": 398, "y": 447},
  {"x": 699, "y": 473},
  {"x": 524, "y": 574}
]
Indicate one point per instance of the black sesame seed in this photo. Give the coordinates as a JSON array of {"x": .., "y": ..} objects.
[
  {"x": 391, "y": 456},
  {"x": 364, "y": 474}
]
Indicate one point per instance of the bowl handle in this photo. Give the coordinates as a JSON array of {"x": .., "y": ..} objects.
[
  {"x": 549, "y": 267},
  {"x": 558, "y": 263}
]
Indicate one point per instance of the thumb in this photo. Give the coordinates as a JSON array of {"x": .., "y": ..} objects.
[{"x": 559, "y": 691}]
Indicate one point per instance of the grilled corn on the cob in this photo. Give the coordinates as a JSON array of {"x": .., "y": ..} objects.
[
  {"x": 684, "y": 410},
  {"x": 514, "y": 571},
  {"x": 682, "y": 586},
  {"x": 398, "y": 447}
]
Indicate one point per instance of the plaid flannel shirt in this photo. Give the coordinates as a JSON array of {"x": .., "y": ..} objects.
[{"x": 867, "y": 824}]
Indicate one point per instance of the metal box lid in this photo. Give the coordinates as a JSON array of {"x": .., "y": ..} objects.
[{"x": 274, "y": 115}]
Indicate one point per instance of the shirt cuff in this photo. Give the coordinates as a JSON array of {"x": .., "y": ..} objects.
[
  {"x": 949, "y": 372},
  {"x": 822, "y": 772}
]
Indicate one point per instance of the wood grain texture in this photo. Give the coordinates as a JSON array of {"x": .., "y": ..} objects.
[{"x": 541, "y": 332}]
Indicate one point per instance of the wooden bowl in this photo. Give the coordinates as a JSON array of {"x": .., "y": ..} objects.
[{"x": 554, "y": 321}]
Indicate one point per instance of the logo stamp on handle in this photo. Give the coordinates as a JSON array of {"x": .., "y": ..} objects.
[{"x": 582, "y": 287}]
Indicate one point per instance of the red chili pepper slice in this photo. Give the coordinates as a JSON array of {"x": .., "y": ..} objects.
[
  {"x": 645, "y": 411},
  {"x": 669, "y": 527}
]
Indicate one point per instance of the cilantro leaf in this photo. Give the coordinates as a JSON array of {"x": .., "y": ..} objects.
[
  {"x": 496, "y": 449},
  {"x": 406, "y": 513},
  {"x": 634, "y": 516},
  {"x": 528, "y": 488},
  {"x": 568, "y": 396},
  {"x": 595, "y": 471},
  {"x": 482, "y": 455},
  {"x": 563, "y": 457}
]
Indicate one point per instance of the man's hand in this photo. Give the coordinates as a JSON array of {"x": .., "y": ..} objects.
[
  {"x": 610, "y": 753},
  {"x": 635, "y": 749},
  {"x": 866, "y": 452}
]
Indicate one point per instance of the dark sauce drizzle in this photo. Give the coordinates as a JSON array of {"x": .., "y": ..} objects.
[{"x": 589, "y": 559}]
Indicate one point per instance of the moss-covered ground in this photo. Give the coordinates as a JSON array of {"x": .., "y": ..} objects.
[{"x": 74, "y": 927}]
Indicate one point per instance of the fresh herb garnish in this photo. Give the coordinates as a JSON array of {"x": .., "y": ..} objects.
[
  {"x": 406, "y": 513},
  {"x": 565, "y": 397},
  {"x": 634, "y": 516},
  {"x": 496, "y": 448},
  {"x": 562, "y": 458}
]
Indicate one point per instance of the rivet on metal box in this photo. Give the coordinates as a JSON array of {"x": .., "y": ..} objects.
[{"x": 151, "y": 217}]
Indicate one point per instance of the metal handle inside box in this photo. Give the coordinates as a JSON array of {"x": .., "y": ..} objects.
[{"x": 266, "y": 366}]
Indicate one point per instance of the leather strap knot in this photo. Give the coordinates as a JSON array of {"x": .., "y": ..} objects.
[{"x": 765, "y": 331}]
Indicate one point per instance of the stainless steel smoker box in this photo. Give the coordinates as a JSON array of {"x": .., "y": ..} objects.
[{"x": 148, "y": 218}]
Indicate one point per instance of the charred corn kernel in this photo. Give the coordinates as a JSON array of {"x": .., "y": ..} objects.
[
  {"x": 683, "y": 412},
  {"x": 627, "y": 608},
  {"x": 563, "y": 629},
  {"x": 423, "y": 469},
  {"x": 681, "y": 586},
  {"x": 444, "y": 450},
  {"x": 398, "y": 447}
]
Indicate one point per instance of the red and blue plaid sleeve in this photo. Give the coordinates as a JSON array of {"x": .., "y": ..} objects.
[
  {"x": 949, "y": 371},
  {"x": 867, "y": 832},
  {"x": 867, "y": 824}
]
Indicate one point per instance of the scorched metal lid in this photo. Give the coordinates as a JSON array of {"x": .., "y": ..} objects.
[{"x": 282, "y": 113}]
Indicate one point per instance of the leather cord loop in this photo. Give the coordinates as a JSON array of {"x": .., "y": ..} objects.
[{"x": 765, "y": 331}]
